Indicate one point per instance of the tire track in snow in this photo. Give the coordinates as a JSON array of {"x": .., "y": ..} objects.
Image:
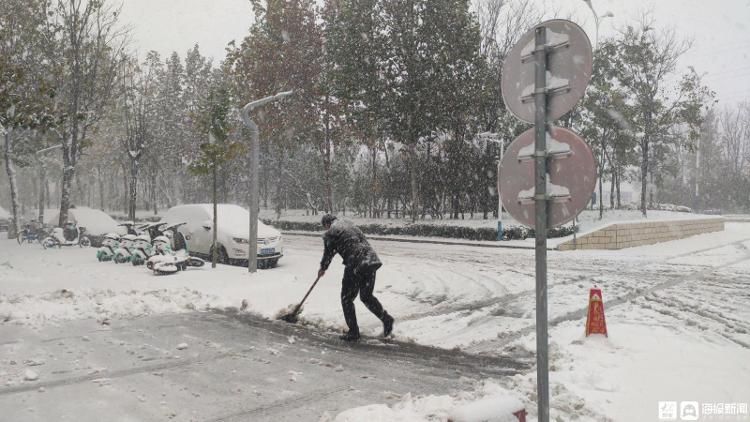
[{"x": 506, "y": 338}]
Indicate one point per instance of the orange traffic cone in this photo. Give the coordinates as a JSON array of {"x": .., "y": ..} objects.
[{"x": 595, "y": 322}]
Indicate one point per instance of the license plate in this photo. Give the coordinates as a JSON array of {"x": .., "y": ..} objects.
[{"x": 267, "y": 251}]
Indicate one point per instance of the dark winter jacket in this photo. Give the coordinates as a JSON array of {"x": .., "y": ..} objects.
[{"x": 348, "y": 241}]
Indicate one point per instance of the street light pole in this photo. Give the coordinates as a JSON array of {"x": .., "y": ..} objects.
[
  {"x": 42, "y": 179},
  {"x": 492, "y": 137},
  {"x": 252, "y": 246},
  {"x": 597, "y": 20}
]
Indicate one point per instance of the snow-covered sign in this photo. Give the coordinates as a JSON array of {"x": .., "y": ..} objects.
[
  {"x": 554, "y": 148},
  {"x": 553, "y": 191},
  {"x": 4, "y": 214},
  {"x": 569, "y": 65},
  {"x": 571, "y": 177},
  {"x": 554, "y": 40},
  {"x": 554, "y": 84}
]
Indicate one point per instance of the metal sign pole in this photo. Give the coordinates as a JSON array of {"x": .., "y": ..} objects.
[{"x": 540, "y": 173}]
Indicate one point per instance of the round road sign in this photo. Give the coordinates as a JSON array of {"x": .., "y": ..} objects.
[
  {"x": 569, "y": 64},
  {"x": 571, "y": 177}
]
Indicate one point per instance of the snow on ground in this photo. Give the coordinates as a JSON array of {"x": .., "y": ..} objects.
[
  {"x": 489, "y": 403},
  {"x": 677, "y": 313}
]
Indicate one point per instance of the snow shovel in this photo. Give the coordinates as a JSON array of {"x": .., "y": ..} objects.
[{"x": 292, "y": 317}]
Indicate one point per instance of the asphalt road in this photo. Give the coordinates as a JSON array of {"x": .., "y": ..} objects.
[{"x": 235, "y": 367}]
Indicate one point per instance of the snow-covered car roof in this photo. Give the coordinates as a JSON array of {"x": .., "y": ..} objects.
[
  {"x": 233, "y": 219},
  {"x": 95, "y": 221}
]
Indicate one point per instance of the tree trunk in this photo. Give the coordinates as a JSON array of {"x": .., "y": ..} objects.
[
  {"x": 133, "y": 189},
  {"x": 327, "y": 156},
  {"x": 644, "y": 175},
  {"x": 125, "y": 202},
  {"x": 644, "y": 158},
  {"x": 374, "y": 190},
  {"x": 414, "y": 185},
  {"x": 42, "y": 190},
  {"x": 47, "y": 194},
  {"x": 67, "y": 184},
  {"x": 617, "y": 186},
  {"x": 10, "y": 169},
  {"x": 327, "y": 173},
  {"x": 101, "y": 187},
  {"x": 214, "y": 245},
  {"x": 154, "y": 193}
]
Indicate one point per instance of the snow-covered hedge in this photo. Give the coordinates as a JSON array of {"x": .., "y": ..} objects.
[{"x": 428, "y": 230}]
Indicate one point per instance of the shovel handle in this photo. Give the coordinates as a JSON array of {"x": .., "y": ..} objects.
[{"x": 308, "y": 294}]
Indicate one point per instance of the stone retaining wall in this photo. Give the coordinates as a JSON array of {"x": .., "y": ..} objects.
[{"x": 626, "y": 235}]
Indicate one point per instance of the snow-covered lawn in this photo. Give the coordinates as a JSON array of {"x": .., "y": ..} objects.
[{"x": 677, "y": 313}]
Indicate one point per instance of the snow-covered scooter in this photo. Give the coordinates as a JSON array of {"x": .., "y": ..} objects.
[
  {"x": 70, "y": 235},
  {"x": 124, "y": 253},
  {"x": 110, "y": 244},
  {"x": 129, "y": 228},
  {"x": 172, "y": 254},
  {"x": 142, "y": 250}
]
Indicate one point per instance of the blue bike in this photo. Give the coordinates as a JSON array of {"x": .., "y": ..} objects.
[{"x": 30, "y": 235}]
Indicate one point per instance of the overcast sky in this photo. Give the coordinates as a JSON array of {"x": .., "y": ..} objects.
[{"x": 720, "y": 30}]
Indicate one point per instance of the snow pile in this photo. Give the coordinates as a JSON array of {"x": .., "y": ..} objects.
[
  {"x": 62, "y": 305},
  {"x": 490, "y": 403},
  {"x": 288, "y": 310}
]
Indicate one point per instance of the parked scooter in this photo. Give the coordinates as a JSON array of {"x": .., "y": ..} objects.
[
  {"x": 155, "y": 230},
  {"x": 129, "y": 227},
  {"x": 142, "y": 250},
  {"x": 180, "y": 246},
  {"x": 69, "y": 235},
  {"x": 124, "y": 253},
  {"x": 169, "y": 259},
  {"x": 110, "y": 245}
]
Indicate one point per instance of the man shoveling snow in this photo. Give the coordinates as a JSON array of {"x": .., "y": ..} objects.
[{"x": 361, "y": 264}]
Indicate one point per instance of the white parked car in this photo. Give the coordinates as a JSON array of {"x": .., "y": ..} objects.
[{"x": 232, "y": 236}]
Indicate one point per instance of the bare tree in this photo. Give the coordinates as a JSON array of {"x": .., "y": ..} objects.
[
  {"x": 87, "y": 46},
  {"x": 734, "y": 134},
  {"x": 137, "y": 107}
]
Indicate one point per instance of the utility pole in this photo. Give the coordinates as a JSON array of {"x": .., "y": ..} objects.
[{"x": 252, "y": 246}]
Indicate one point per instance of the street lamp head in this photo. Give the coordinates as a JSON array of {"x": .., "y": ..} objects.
[{"x": 248, "y": 108}]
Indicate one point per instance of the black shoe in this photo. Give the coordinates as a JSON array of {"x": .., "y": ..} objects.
[
  {"x": 349, "y": 336},
  {"x": 387, "y": 325}
]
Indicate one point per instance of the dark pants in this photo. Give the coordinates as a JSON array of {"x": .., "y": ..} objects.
[{"x": 362, "y": 284}]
